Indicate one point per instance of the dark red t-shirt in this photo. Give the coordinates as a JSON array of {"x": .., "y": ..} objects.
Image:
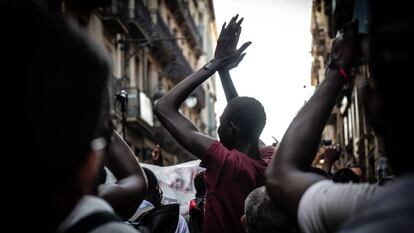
[{"x": 230, "y": 177}]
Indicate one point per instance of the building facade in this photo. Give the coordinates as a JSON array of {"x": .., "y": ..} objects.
[
  {"x": 347, "y": 125},
  {"x": 153, "y": 45}
]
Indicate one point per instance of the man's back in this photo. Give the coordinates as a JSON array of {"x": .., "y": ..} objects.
[
  {"x": 230, "y": 177},
  {"x": 88, "y": 206},
  {"x": 391, "y": 209}
]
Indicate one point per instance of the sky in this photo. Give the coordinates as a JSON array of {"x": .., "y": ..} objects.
[{"x": 277, "y": 67}]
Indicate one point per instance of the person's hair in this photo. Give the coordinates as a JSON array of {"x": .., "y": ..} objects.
[
  {"x": 345, "y": 175},
  {"x": 248, "y": 114},
  {"x": 263, "y": 216},
  {"x": 200, "y": 185},
  {"x": 319, "y": 171}
]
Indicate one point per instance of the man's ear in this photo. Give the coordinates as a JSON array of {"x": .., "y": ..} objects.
[
  {"x": 233, "y": 129},
  {"x": 88, "y": 171}
]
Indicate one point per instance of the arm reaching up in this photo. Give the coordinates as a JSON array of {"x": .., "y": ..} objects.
[
  {"x": 167, "y": 107},
  {"x": 287, "y": 176},
  {"x": 129, "y": 191},
  {"x": 225, "y": 78},
  {"x": 330, "y": 156}
]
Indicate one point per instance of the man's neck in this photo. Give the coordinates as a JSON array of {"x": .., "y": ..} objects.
[{"x": 250, "y": 149}]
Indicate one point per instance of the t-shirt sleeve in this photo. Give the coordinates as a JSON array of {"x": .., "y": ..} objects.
[
  {"x": 267, "y": 153},
  {"x": 214, "y": 161},
  {"x": 326, "y": 205}
]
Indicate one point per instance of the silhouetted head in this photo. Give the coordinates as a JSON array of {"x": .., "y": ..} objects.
[
  {"x": 64, "y": 77},
  {"x": 200, "y": 185},
  {"x": 345, "y": 175},
  {"x": 388, "y": 96},
  {"x": 319, "y": 171},
  {"x": 262, "y": 215},
  {"x": 154, "y": 192},
  {"x": 242, "y": 121}
]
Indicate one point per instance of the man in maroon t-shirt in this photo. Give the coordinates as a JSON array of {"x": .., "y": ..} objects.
[
  {"x": 235, "y": 165},
  {"x": 230, "y": 176}
]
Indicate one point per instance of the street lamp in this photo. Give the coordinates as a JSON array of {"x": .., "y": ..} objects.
[{"x": 191, "y": 101}]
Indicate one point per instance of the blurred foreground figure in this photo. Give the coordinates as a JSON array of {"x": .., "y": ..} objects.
[
  {"x": 320, "y": 205},
  {"x": 64, "y": 77}
]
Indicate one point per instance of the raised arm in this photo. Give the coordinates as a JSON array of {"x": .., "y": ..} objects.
[
  {"x": 330, "y": 156},
  {"x": 167, "y": 107},
  {"x": 226, "y": 82},
  {"x": 228, "y": 86},
  {"x": 287, "y": 176},
  {"x": 224, "y": 73},
  {"x": 129, "y": 191}
]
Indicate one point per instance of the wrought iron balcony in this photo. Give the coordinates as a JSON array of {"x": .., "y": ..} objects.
[
  {"x": 167, "y": 50},
  {"x": 140, "y": 23},
  {"x": 114, "y": 15},
  {"x": 181, "y": 11}
]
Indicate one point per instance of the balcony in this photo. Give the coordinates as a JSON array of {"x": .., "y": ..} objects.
[
  {"x": 166, "y": 49},
  {"x": 114, "y": 15},
  {"x": 184, "y": 18},
  {"x": 140, "y": 23},
  {"x": 139, "y": 107}
]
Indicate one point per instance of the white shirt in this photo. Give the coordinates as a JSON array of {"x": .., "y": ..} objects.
[
  {"x": 91, "y": 204},
  {"x": 326, "y": 205}
]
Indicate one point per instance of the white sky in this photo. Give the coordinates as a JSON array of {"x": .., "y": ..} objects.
[{"x": 277, "y": 65}]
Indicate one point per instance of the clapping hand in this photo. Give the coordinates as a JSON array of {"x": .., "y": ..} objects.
[{"x": 226, "y": 52}]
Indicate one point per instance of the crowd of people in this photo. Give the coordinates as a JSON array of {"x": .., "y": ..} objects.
[{"x": 246, "y": 187}]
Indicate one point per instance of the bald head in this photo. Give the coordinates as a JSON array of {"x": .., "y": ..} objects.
[{"x": 262, "y": 215}]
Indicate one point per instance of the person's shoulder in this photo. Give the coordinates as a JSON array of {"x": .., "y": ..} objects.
[
  {"x": 267, "y": 149},
  {"x": 216, "y": 144},
  {"x": 217, "y": 148},
  {"x": 119, "y": 227},
  {"x": 267, "y": 152}
]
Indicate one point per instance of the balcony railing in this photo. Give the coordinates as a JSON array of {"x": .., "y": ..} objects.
[
  {"x": 114, "y": 15},
  {"x": 169, "y": 51},
  {"x": 181, "y": 11},
  {"x": 140, "y": 18}
]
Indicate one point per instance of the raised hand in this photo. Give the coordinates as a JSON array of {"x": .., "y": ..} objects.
[
  {"x": 226, "y": 50},
  {"x": 332, "y": 153}
]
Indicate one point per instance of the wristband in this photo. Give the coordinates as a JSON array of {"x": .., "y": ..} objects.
[{"x": 343, "y": 74}]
